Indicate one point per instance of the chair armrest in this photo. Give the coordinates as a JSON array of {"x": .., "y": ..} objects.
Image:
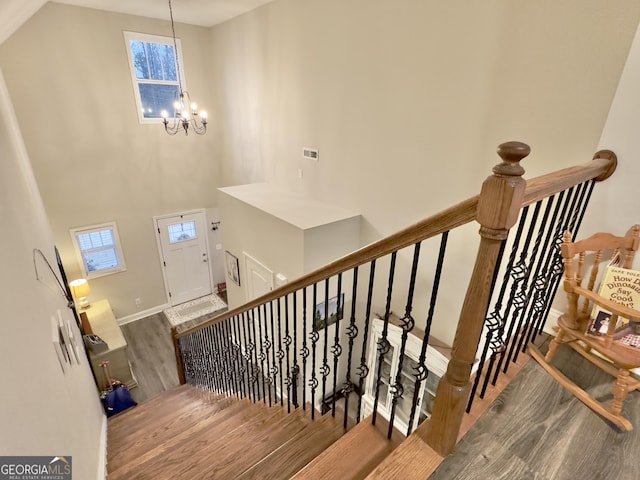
[{"x": 608, "y": 304}]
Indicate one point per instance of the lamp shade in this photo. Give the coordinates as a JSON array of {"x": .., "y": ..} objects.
[{"x": 80, "y": 289}]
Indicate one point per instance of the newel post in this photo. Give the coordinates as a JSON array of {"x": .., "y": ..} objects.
[{"x": 498, "y": 208}]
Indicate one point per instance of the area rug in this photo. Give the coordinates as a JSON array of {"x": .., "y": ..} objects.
[{"x": 194, "y": 309}]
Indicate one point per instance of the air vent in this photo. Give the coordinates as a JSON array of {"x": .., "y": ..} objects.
[{"x": 310, "y": 153}]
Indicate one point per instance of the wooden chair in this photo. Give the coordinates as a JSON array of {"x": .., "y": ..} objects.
[{"x": 603, "y": 351}]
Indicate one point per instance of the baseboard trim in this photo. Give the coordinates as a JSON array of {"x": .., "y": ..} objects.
[{"x": 142, "y": 314}]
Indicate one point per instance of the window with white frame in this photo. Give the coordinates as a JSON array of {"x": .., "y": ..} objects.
[
  {"x": 154, "y": 73},
  {"x": 98, "y": 249}
]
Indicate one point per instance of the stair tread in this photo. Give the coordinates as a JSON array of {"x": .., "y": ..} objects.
[
  {"x": 297, "y": 452},
  {"x": 216, "y": 440},
  {"x": 353, "y": 456},
  {"x": 199, "y": 432}
]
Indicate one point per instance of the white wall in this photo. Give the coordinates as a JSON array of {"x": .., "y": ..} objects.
[
  {"x": 44, "y": 411},
  {"x": 613, "y": 206},
  {"x": 407, "y": 100}
]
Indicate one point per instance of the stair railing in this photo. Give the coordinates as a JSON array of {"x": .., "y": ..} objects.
[{"x": 288, "y": 344}]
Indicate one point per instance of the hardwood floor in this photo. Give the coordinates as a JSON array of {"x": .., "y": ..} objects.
[
  {"x": 151, "y": 355},
  {"x": 537, "y": 430}
]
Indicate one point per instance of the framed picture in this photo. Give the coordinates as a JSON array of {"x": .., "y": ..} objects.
[
  {"x": 233, "y": 269},
  {"x": 335, "y": 313}
]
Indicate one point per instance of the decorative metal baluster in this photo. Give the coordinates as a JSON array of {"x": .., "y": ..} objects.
[
  {"x": 240, "y": 357},
  {"x": 304, "y": 351},
  {"x": 522, "y": 298},
  {"x": 363, "y": 369},
  {"x": 273, "y": 370},
  {"x": 518, "y": 273},
  {"x": 280, "y": 352},
  {"x": 295, "y": 371},
  {"x": 256, "y": 366},
  {"x": 541, "y": 277},
  {"x": 263, "y": 339},
  {"x": 248, "y": 355},
  {"x": 219, "y": 361},
  {"x": 573, "y": 226},
  {"x": 532, "y": 293},
  {"x": 383, "y": 344},
  {"x": 287, "y": 343},
  {"x": 233, "y": 355},
  {"x": 313, "y": 336},
  {"x": 495, "y": 321},
  {"x": 352, "y": 333},
  {"x": 421, "y": 370},
  {"x": 336, "y": 349},
  {"x": 209, "y": 373},
  {"x": 324, "y": 369},
  {"x": 396, "y": 389},
  {"x": 187, "y": 363}
]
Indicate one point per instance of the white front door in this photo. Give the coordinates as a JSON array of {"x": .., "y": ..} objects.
[
  {"x": 185, "y": 256},
  {"x": 259, "y": 278}
]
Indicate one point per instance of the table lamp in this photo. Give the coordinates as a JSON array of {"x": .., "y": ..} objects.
[{"x": 80, "y": 289}]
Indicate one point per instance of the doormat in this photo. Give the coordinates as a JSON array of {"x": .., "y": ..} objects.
[{"x": 194, "y": 309}]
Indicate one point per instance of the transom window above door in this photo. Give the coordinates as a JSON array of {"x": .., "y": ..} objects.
[
  {"x": 154, "y": 73},
  {"x": 180, "y": 232}
]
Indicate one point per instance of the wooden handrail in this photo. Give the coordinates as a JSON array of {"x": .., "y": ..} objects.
[{"x": 600, "y": 168}]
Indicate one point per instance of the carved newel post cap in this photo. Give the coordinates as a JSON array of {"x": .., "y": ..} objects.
[{"x": 511, "y": 154}]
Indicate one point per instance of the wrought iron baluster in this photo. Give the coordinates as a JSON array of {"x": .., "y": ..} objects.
[
  {"x": 242, "y": 370},
  {"x": 324, "y": 369},
  {"x": 281, "y": 353},
  {"x": 518, "y": 273},
  {"x": 248, "y": 355},
  {"x": 363, "y": 369},
  {"x": 541, "y": 281},
  {"x": 304, "y": 351},
  {"x": 572, "y": 225},
  {"x": 295, "y": 371},
  {"x": 352, "y": 333},
  {"x": 336, "y": 349},
  {"x": 273, "y": 371},
  {"x": 256, "y": 366},
  {"x": 313, "y": 336},
  {"x": 287, "y": 344},
  {"x": 383, "y": 344},
  {"x": 262, "y": 356},
  {"x": 396, "y": 390},
  {"x": 421, "y": 370}
]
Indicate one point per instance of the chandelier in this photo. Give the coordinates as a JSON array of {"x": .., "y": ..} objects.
[{"x": 186, "y": 115}]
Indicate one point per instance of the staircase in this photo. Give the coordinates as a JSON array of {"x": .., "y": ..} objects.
[{"x": 186, "y": 433}]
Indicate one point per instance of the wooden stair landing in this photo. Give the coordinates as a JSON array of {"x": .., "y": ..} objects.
[{"x": 189, "y": 434}]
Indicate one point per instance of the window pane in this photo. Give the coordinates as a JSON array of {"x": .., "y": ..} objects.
[
  {"x": 179, "y": 232},
  {"x": 103, "y": 259},
  {"x": 156, "y": 98},
  {"x": 153, "y": 61}
]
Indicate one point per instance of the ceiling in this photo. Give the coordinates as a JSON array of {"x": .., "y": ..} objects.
[{"x": 196, "y": 12}]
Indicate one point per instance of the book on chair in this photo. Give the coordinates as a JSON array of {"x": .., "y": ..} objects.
[{"x": 622, "y": 286}]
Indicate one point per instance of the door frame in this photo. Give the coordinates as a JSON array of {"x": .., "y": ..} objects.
[{"x": 156, "y": 234}]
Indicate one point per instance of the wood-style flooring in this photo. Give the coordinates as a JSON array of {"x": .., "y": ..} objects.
[
  {"x": 537, "y": 430},
  {"x": 152, "y": 357}
]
